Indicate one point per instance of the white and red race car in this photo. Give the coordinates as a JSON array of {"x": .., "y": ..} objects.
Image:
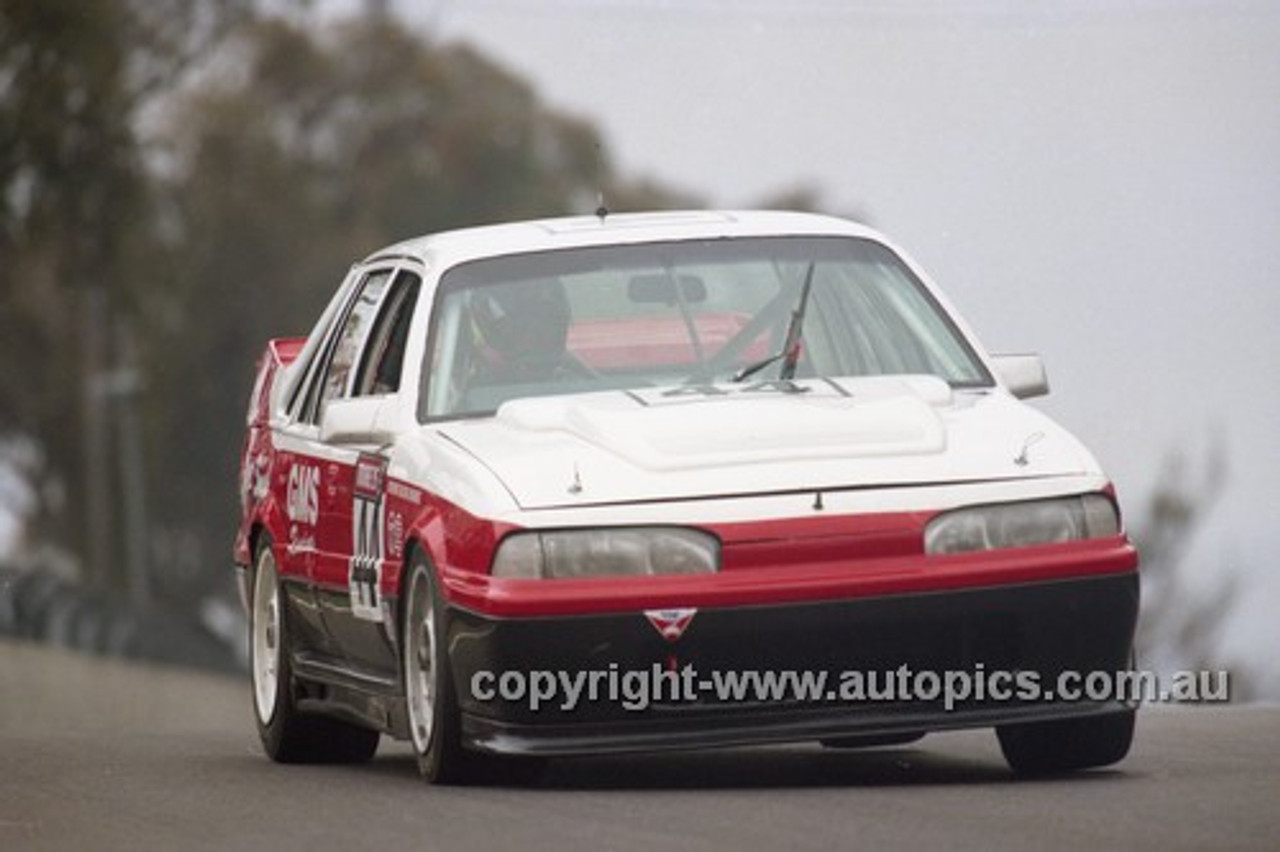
[{"x": 678, "y": 480}]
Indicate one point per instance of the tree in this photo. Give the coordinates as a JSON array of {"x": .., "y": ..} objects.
[
  {"x": 1180, "y": 628},
  {"x": 302, "y": 151},
  {"x": 75, "y": 232},
  {"x": 180, "y": 181},
  {"x": 70, "y": 182}
]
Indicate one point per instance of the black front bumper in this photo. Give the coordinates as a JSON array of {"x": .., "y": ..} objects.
[{"x": 1082, "y": 625}]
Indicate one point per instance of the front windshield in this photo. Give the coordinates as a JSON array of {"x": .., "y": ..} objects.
[{"x": 701, "y": 312}]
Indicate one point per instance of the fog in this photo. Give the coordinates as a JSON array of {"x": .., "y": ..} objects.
[{"x": 1097, "y": 182}]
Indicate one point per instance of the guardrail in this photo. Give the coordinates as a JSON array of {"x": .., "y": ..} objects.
[{"x": 43, "y": 607}]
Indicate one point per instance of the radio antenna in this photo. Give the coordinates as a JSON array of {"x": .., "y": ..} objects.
[{"x": 602, "y": 211}]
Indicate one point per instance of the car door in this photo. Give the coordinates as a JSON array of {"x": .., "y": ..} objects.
[
  {"x": 351, "y": 558},
  {"x": 299, "y": 475}
]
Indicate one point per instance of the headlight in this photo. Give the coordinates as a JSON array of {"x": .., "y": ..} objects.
[
  {"x": 622, "y": 552},
  {"x": 1022, "y": 524}
]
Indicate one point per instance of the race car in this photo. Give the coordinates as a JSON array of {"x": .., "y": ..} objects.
[{"x": 627, "y": 483}]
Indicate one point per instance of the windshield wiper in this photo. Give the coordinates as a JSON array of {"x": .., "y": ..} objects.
[{"x": 790, "y": 352}]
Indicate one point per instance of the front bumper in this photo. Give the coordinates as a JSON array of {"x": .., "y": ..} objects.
[{"x": 1084, "y": 625}]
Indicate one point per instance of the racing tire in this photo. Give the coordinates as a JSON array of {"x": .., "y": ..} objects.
[
  {"x": 431, "y": 698},
  {"x": 431, "y": 702},
  {"x": 288, "y": 735},
  {"x": 1066, "y": 745}
]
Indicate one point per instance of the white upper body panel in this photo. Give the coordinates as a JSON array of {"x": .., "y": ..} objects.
[
  {"x": 559, "y": 454},
  {"x": 440, "y": 251}
]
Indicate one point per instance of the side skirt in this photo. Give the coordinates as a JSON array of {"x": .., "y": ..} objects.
[{"x": 331, "y": 688}]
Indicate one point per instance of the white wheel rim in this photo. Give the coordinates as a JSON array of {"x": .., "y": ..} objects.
[
  {"x": 419, "y": 664},
  {"x": 266, "y": 636}
]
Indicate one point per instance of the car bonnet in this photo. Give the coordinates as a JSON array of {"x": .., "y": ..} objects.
[{"x": 827, "y": 434}]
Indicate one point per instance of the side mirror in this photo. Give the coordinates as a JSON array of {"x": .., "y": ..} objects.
[
  {"x": 358, "y": 420},
  {"x": 1022, "y": 375}
]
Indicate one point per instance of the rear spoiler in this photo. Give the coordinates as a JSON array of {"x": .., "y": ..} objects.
[
  {"x": 280, "y": 353},
  {"x": 285, "y": 349}
]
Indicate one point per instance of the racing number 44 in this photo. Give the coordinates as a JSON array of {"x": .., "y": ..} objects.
[{"x": 368, "y": 531}]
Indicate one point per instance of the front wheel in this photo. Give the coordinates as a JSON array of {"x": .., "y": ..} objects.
[
  {"x": 431, "y": 702},
  {"x": 431, "y": 699},
  {"x": 288, "y": 735},
  {"x": 1065, "y": 745}
]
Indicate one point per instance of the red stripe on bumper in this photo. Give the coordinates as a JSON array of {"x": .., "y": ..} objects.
[{"x": 796, "y": 582}]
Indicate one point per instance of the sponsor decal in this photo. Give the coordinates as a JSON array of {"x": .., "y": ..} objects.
[
  {"x": 260, "y": 475},
  {"x": 371, "y": 475},
  {"x": 819, "y": 388},
  {"x": 302, "y": 498},
  {"x": 407, "y": 493},
  {"x": 395, "y": 535},
  {"x": 670, "y": 623},
  {"x": 254, "y": 476},
  {"x": 369, "y": 524},
  {"x": 300, "y": 543}
]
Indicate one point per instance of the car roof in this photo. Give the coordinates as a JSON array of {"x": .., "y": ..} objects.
[{"x": 449, "y": 247}]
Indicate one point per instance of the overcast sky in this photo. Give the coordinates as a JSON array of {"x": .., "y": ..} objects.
[{"x": 1096, "y": 181}]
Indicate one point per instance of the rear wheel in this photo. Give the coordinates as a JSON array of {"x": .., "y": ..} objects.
[
  {"x": 289, "y": 736},
  {"x": 1042, "y": 748}
]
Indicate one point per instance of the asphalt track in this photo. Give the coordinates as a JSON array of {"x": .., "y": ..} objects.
[{"x": 96, "y": 754}]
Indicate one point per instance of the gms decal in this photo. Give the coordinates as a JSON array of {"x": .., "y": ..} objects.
[
  {"x": 302, "y": 499},
  {"x": 369, "y": 524}
]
